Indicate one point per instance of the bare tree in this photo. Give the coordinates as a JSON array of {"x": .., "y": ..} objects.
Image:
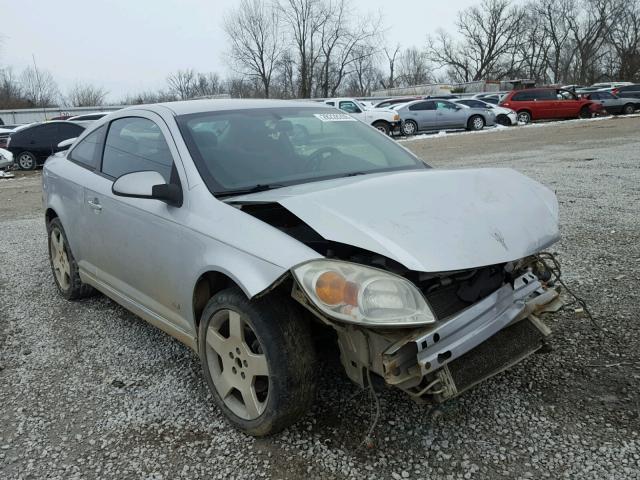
[
  {"x": 624, "y": 39},
  {"x": 305, "y": 19},
  {"x": 488, "y": 35},
  {"x": 413, "y": 67},
  {"x": 343, "y": 41},
  {"x": 554, "y": 16},
  {"x": 253, "y": 29},
  {"x": 589, "y": 33},
  {"x": 207, "y": 85},
  {"x": 39, "y": 87},
  {"x": 364, "y": 75},
  {"x": 86, "y": 95},
  {"x": 182, "y": 84},
  {"x": 391, "y": 56},
  {"x": 11, "y": 94}
]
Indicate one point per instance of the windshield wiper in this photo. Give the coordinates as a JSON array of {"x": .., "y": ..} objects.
[{"x": 244, "y": 191}]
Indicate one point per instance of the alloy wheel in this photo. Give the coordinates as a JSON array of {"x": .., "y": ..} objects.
[
  {"x": 478, "y": 123},
  {"x": 237, "y": 364},
  {"x": 59, "y": 259},
  {"x": 409, "y": 128},
  {"x": 524, "y": 117},
  {"x": 26, "y": 161}
]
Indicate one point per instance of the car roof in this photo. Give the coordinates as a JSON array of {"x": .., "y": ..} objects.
[{"x": 217, "y": 105}]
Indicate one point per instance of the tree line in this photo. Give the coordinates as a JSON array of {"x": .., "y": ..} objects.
[{"x": 325, "y": 48}]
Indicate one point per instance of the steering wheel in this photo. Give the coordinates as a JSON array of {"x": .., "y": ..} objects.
[{"x": 317, "y": 157}]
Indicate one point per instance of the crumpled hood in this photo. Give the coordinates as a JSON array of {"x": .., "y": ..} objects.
[{"x": 429, "y": 220}]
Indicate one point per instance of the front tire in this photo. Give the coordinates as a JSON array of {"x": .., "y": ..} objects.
[
  {"x": 585, "y": 112},
  {"x": 503, "y": 120},
  {"x": 409, "y": 127},
  {"x": 63, "y": 264},
  {"x": 382, "y": 127},
  {"x": 475, "y": 123},
  {"x": 26, "y": 161},
  {"x": 628, "y": 109},
  {"x": 258, "y": 359}
]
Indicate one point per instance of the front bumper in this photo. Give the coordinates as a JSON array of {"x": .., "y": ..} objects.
[
  {"x": 513, "y": 117},
  {"x": 422, "y": 360},
  {"x": 440, "y": 361}
]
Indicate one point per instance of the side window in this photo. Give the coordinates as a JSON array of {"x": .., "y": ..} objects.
[
  {"x": 440, "y": 105},
  {"x": 333, "y": 104},
  {"x": 423, "y": 106},
  {"x": 135, "y": 144},
  {"x": 87, "y": 152},
  {"x": 71, "y": 130},
  {"x": 522, "y": 97},
  {"x": 349, "y": 107},
  {"x": 594, "y": 96}
]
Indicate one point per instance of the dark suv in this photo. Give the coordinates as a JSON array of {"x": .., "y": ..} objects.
[
  {"x": 548, "y": 103},
  {"x": 32, "y": 145}
]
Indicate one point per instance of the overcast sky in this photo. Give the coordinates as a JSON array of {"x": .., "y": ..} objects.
[{"x": 128, "y": 46}]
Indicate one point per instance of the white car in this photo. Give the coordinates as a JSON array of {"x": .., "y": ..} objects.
[
  {"x": 383, "y": 119},
  {"x": 504, "y": 116}
]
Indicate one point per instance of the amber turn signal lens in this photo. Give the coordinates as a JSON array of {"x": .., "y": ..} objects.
[{"x": 333, "y": 289}]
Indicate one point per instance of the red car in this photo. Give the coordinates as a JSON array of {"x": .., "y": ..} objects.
[{"x": 548, "y": 103}]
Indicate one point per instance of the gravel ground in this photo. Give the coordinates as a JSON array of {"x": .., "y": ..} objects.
[{"x": 90, "y": 391}]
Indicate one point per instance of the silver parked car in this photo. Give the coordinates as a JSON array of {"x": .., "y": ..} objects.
[
  {"x": 246, "y": 229},
  {"x": 424, "y": 115},
  {"x": 612, "y": 103}
]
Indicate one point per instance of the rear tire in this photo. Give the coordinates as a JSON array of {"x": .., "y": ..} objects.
[
  {"x": 258, "y": 359},
  {"x": 63, "y": 264},
  {"x": 475, "y": 123},
  {"x": 382, "y": 127},
  {"x": 409, "y": 127},
  {"x": 628, "y": 109},
  {"x": 524, "y": 117},
  {"x": 26, "y": 161}
]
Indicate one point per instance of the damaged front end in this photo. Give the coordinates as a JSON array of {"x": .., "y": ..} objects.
[
  {"x": 486, "y": 321},
  {"x": 457, "y": 250}
]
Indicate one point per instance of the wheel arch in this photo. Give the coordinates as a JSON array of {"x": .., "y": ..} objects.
[
  {"x": 212, "y": 281},
  {"x": 50, "y": 214}
]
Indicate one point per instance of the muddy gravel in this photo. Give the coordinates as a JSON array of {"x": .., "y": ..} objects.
[{"x": 90, "y": 391}]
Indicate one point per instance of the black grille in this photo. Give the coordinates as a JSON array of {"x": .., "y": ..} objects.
[
  {"x": 444, "y": 301},
  {"x": 505, "y": 348}
]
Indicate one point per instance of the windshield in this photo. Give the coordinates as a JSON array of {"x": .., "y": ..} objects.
[{"x": 270, "y": 148}]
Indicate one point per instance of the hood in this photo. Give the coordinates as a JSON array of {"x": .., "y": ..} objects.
[{"x": 428, "y": 220}]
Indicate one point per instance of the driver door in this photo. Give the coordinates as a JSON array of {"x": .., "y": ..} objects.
[{"x": 136, "y": 243}]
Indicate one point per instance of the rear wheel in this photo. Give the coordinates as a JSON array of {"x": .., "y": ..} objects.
[
  {"x": 524, "y": 117},
  {"x": 409, "y": 127},
  {"x": 628, "y": 109},
  {"x": 258, "y": 360},
  {"x": 475, "y": 123},
  {"x": 26, "y": 161},
  {"x": 382, "y": 127},
  {"x": 63, "y": 265}
]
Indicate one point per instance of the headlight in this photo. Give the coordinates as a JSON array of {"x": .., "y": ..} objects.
[{"x": 358, "y": 294}]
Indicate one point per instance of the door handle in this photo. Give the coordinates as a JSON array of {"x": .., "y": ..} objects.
[{"x": 95, "y": 204}]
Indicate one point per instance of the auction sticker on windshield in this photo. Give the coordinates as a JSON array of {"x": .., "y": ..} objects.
[{"x": 334, "y": 117}]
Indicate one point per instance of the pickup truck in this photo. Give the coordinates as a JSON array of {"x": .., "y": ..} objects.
[{"x": 383, "y": 119}]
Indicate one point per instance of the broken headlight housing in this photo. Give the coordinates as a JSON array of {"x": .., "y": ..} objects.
[{"x": 358, "y": 294}]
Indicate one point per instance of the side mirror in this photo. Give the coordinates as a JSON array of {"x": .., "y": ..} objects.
[
  {"x": 149, "y": 185},
  {"x": 65, "y": 144}
]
